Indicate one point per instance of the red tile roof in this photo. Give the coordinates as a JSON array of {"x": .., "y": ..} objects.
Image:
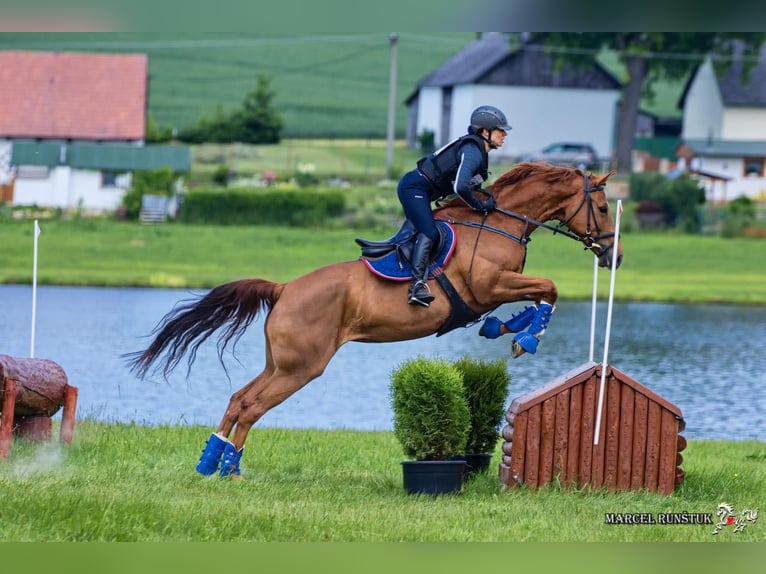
[{"x": 70, "y": 95}]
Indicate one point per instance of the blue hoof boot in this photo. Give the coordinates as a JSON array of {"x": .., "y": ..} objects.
[
  {"x": 542, "y": 318},
  {"x": 527, "y": 342},
  {"x": 521, "y": 320},
  {"x": 230, "y": 461},
  {"x": 211, "y": 455},
  {"x": 491, "y": 328}
]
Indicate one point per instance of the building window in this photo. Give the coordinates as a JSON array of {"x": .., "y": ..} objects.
[
  {"x": 754, "y": 166},
  {"x": 108, "y": 179}
]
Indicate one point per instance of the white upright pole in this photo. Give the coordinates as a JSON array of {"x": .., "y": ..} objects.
[
  {"x": 390, "y": 132},
  {"x": 34, "y": 290},
  {"x": 593, "y": 309},
  {"x": 597, "y": 430}
]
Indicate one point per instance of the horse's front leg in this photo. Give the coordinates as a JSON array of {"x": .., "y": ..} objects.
[{"x": 529, "y": 324}]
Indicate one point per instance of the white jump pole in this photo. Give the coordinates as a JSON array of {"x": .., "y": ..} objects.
[
  {"x": 34, "y": 290},
  {"x": 593, "y": 309},
  {"x": 597, "y": 430}
]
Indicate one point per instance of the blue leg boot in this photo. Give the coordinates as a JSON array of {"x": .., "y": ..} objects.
[
  {"x": 521, "y": 320},
  {"x": 528, "y": 340},
  {"x": 211, "y": 455},
  {"x": 230, "y": 462},
  {"x": 490, "y": 328}
]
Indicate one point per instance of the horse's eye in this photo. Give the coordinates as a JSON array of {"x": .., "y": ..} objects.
[{"x": 603, "y": 208}]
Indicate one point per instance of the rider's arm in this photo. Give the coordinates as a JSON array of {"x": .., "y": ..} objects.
[{"x": 470, "y": 163}]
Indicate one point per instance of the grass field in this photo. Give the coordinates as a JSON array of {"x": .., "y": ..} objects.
[
  {"x": 131, "y": 483},
  {"x": 657, "y": 266}
]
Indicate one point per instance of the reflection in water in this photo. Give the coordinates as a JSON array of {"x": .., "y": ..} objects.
[{"x": 708, "y": 360}]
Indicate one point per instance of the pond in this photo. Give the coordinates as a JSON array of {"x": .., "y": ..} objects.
[{"x": 708, "y": 360}]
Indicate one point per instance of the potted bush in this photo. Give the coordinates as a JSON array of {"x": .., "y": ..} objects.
[
  {"x": 485, "y": 387},
  {"x": 431, "y": 423}
]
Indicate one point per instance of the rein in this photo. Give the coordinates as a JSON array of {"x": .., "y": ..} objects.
[{"x": 588, "y": 240}]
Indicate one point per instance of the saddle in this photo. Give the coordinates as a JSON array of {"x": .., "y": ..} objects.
[
  {"x": 391, "y": 257},
  {"x": 402, "y": 242}
]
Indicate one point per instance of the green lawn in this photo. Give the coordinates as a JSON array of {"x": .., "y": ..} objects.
[
  {"x": 657, "y": 266},
  {"x": 131, "y": 483}
]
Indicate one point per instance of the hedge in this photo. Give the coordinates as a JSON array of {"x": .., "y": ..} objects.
[{"x": 253, "y": 206}]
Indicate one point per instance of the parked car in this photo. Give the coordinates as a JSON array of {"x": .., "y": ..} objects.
[{"x": 566, "y": 153}]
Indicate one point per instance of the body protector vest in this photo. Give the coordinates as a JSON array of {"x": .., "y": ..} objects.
[{"x": 440, "y": 167}]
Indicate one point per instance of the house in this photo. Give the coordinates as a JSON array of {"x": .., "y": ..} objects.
[
  {"x": 543, "y": 104},
  {"x": 72, "y": 128},
  {"x": 723, "y": 139}
]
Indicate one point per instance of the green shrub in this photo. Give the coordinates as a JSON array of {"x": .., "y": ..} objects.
[
  {"x": 243, "y": 206},
  {"x": 678, "y": 197},
  {"x": 431, "y": 418},
  {"x": 485, "y": 387}
]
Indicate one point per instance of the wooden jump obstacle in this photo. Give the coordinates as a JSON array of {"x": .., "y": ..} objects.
[
  {"x": 549, "y": 435},
  {"x": 31, "y": 392}
]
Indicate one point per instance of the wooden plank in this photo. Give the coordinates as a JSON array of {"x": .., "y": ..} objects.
[
  {"x": 575, "y": 427},
  {"x": 639, "y": 388},
  {"x": 589, "y": 401},
  {"x": 547, "y": 433},
  {"x": 638, "y": 464},
  {"x": 6, "y": 416},
  {"x": 536, "y": 396},
  {"x": 625, "y": 452},
  {"x": 653, "y": 428},
  {"x": 668, "y": 453},
  {"x": 597, "y": 463},
  {"x": 612, "y": 422},
  {"x": 518, "y": 451},
  {"x": 532, "y": 458},
  {"x": 561, "y": 437}
]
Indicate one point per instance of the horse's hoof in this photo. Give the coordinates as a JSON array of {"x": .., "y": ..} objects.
[
  {"x": 527, "y": 342},
  {"x": 516, "y": 350}
]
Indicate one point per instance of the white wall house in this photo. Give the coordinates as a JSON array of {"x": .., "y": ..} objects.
[
  {"x": 724, "y": 131},
  {"x": 72, "y": 129},
  {"x": 543, "y": 105}
]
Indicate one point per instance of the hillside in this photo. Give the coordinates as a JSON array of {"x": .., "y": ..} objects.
[{"x": 331, "y": 86}]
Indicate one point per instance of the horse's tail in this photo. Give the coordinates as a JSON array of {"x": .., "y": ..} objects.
[{"x": 191, "y": 322}]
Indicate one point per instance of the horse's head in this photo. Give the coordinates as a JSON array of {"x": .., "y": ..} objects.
[{"x": 575, "y": 198}]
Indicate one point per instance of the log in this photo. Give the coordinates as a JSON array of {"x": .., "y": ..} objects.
[{"x": 40, "y": 385}]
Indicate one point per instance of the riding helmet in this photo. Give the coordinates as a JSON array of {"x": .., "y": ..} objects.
[{"x": 490, "y": 118}]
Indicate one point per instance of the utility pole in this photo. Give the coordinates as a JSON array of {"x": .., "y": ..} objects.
[{"x": 391, "y": 105}]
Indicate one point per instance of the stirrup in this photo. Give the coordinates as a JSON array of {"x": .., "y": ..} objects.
[{"x": 420, "y": 294}]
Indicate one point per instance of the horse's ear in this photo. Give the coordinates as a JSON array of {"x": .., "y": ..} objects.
[{"x": 602, "y": 179}]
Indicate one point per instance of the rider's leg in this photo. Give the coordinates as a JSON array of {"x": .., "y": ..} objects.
[{"x": 413, "y": 193}]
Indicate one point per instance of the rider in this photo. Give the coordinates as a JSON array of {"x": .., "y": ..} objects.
[{"x": 459, "y": 167}]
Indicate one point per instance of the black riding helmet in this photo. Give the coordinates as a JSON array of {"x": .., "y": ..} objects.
[{"x": 490, "y": 118}]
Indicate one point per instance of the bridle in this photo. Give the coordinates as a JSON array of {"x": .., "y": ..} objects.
[{"x": 588, "y": 240}]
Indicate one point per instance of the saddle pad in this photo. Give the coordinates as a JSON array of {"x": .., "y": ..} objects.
[{"x": 394, "y": 267}]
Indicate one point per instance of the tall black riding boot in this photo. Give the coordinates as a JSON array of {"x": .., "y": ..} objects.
[{"x": 420, "y": 294}]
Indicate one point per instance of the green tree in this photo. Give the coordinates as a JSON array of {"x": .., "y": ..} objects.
[
  {"x": 258, "y": 121},
  {"x": 649, "y": 56}
]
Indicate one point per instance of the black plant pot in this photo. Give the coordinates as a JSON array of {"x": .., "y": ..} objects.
[
  {"x": 476, "y": 463},
  {"x": 433, "y": 476}
]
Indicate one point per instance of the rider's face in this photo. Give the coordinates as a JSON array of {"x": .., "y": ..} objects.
[{"x": 498, "y": 137}]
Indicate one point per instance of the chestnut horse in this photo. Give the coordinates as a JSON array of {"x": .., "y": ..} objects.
[{"x": 310, "y": 317}]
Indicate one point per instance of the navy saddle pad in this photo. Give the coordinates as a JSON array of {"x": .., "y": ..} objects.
[{"x": 390, "y": 259}]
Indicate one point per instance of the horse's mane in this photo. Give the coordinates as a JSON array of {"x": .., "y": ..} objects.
[
  {"x": 523, "y": 172},
  {"x": 527, "y": 170}
]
